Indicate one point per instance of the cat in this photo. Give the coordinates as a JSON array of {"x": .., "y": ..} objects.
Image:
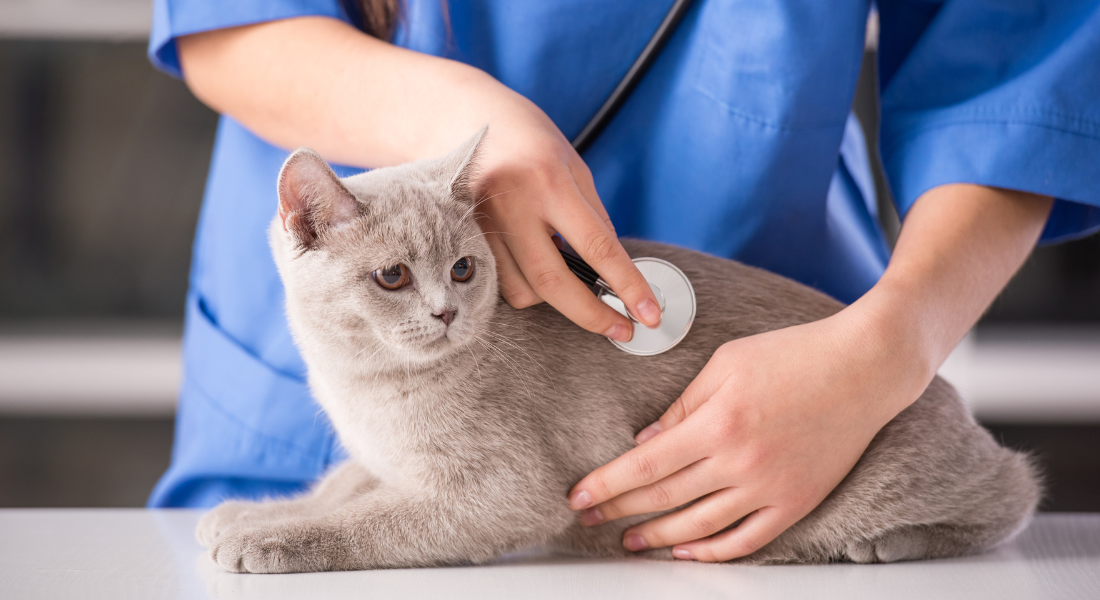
[{"x": 468, "y": 421}]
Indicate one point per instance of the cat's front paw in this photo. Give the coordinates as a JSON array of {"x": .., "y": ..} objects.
[
  {"x": 219, "y": 519},
  {"x": 280, "y": 548}
]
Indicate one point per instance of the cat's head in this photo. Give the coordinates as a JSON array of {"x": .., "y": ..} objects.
[{"x": 392, "y": 258}]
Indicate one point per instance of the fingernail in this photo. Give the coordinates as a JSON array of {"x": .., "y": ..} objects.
[
  {"x": 619, "y": 333},
  {"x": 647, "y": 434},
  {"x": 591, "y": 516},
  {"x": 649, "y": 313},
  {"x": 683, "y": 554},
  {"x": 635, "y": 543},
  {"x": 580, "y": 499}
]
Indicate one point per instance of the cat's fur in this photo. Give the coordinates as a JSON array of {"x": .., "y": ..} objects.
[{"x": 464, "y": 439}]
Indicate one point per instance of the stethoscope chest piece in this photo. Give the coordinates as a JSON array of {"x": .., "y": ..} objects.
[
  {"x": 677, "y": 299},
  {"x": 670, "y": 285}
]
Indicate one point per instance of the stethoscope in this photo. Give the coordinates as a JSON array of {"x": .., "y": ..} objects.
[{"x": 675, "y": 296}]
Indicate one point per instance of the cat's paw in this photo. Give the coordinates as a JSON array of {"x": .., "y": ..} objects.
[
  {"x": 908, "y": 543},
  {"x": 277, "y": 548},
  {"x": 219, "y": 519}
]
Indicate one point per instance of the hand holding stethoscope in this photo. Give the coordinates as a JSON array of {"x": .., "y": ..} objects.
[
  {"x": 671, "y": 288},
  {"x": 653, "y": 292}
]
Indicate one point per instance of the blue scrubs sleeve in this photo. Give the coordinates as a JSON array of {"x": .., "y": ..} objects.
[
  {"x": 173, "y": 18},
  {"x": 1000, "y": 94}
]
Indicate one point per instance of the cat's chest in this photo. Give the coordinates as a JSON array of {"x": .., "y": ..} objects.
[{"x": 392, "y": 425}]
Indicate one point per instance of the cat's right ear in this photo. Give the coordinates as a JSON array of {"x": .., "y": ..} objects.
[
  {"x": 461, "y": 167},
  {"x": 312, "y": 198}
]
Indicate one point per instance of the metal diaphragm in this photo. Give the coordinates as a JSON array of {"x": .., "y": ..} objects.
[{"x": 677, "y": 314}]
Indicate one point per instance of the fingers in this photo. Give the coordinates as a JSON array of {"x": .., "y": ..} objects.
[
  {"x": 597, "y": 244},
  {"x": 583, "y": 177},
  {"x": 545, "y": 270},
  {"x": 683, "y": 486},
  {"x": 639, "y": 467},
  {"x": 705, "y": 385},
  {"x": 706, "y": 517},
  {"x": 752, "y": 534},
  {"x": 567, "y": 203},
  {"x": 513, "y": 285},
  {"x": 641, "y": 311}
]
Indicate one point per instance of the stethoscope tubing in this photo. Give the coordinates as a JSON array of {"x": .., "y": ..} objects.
[
  {"x": 611, "y": 107},
  {"x": 633, "y": 76}
]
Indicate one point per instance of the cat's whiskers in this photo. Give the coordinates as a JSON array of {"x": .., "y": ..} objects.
[
  {"x": 485, "y": 233},
  {"x": 381, "y": 347},
  {"x": 527, "y": 333},
  {"x": 506, "y": 340},
  {"x": 483, "y": 200},
  {"x": 480, "y": 234},
  {"x": 476, "y": 364},
  {"x": 373, "y": 354},
  {"x": 508, "y": 362},
  {"x": 514, "y": 360},
  {"x": 408, "y": 366}
]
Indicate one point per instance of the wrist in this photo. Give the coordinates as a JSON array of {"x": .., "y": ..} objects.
[
  {"x": 473, "y": 99},
  {"x": 893, "y": 329},
  {"x": 459, "y": 102}
]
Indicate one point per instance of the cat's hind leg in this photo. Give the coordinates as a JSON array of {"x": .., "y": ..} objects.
[
  {"x": 338, "y": 486},
  {"x": 919, "y": 542},
  {"x": 995, "y": 519},
  {"x": 932, "y": 484}
]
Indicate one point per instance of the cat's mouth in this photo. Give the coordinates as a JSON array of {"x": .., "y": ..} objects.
[
  {"x": 429, "y": 343},
  {"x": 438, "y": 344}
]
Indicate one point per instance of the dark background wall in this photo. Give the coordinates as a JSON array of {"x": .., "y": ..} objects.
[{"x": 102, "y": 167}]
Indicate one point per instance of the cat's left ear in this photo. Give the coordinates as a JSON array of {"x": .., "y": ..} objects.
[
  {"x": 312, "y": 198},
  {"x": 461, "y": 166}
]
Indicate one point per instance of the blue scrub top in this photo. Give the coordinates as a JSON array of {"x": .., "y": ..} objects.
[{"x": 739, "y": 142}]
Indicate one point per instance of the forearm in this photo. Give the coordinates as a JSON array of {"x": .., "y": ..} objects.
[
  {"x": 356, "y": 100},
  {"x": 958, "y": 248}
]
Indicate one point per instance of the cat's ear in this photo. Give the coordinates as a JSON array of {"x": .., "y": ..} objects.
[
  {"x": 461, "y": 167},
  {"x": 312, "y": 198}
]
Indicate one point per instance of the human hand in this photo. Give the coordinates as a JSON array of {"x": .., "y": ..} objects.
[
  {"x": 357, "y": 100},
  {"x": 768, "y": 428},
  {"x": 534, "y": 184}
]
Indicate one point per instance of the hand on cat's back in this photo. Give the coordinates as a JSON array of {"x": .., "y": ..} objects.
[{"x": 769, "y": 427}]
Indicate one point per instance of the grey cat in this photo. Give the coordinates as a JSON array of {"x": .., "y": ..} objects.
[{"x": 467, "y": 421}]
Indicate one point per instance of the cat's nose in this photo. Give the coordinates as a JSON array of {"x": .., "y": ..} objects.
[{"x": 446, "y": 316}]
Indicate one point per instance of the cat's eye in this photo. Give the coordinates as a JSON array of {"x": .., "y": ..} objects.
[
  {"x": 393, "y": 277},
  {"x": 463, "y": 269}
]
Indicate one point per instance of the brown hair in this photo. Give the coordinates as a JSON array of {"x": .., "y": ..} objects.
[{"x": 380, "y": 17}]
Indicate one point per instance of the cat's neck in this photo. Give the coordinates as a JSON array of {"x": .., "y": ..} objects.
[{"x": 387, "y": 410}]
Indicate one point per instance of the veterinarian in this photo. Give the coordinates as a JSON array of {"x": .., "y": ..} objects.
[{"x": 739, "y": 142}]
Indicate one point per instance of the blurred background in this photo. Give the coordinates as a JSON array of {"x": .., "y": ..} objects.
[{"x": 102, "y": 167}]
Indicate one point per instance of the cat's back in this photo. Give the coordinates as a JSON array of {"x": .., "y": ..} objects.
[
  {"x": 602, "y": 395},
  {"x": 732, "y": 297},
  {"x": 732, "y": 301}
]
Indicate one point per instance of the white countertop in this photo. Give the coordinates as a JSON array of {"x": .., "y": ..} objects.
[{"x": 133, "y": 553}]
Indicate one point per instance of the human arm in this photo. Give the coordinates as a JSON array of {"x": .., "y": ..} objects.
[
  {"x": 357, "y": 100},
  {"x": 775, "y": 421}
]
